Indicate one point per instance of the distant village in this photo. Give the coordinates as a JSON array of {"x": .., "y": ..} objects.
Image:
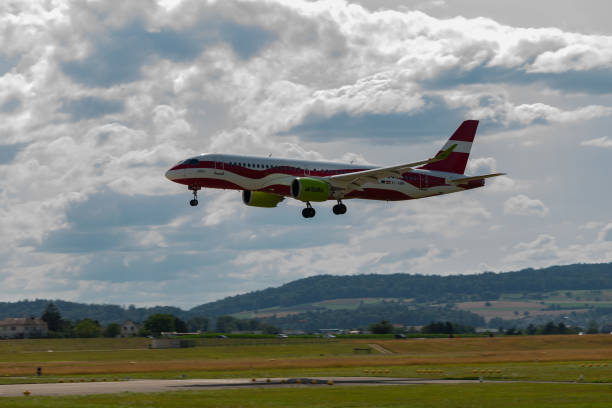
[{"x": 35, "y": 328}]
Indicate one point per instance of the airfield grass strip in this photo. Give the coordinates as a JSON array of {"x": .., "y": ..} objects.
[
  {"x": 326, "y": 356},
  {"x": 589, "y": 371},
  {"x": 118, "y": 367}
]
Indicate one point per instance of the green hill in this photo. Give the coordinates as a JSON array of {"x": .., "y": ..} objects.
[
  {"x": 421, "y": 288},
  {"x": 328, "y": 300}
]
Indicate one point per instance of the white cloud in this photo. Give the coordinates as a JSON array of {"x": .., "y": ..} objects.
[
  {"x": 290, "y": 265},
  {"x": 530, "y": 113},
  {"x": 449, "y": 217},
  {"x": 545, "y": 251},
  {"x": 243, "y": 90},
  {"x": 543, "y": 248},
  {"x": 503, "y": 184},
  {"x": 223, "y": 207},
  {"x": 591, "y": 225},
  {"x": 605, "y": 235},
  {"x": 580, "y": 54},
  {"x": 603, "y": 141},
  {"x": 523, "y": 205},
  {"x": 495, "y": 105},
  {"x": 481, "y": 165}
]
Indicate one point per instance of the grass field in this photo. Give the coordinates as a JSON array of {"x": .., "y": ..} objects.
[
  {"x": 568, "y": 358},
  {"x": 466, "y": 395},
  {"x": 520, "y": 357}
]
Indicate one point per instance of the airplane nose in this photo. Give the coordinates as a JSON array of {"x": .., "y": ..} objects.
[{"x": 168, "y": 174}]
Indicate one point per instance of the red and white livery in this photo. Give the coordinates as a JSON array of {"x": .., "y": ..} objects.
[{"x": 266, "y": 181}]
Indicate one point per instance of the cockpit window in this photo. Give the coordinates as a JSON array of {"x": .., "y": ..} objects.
[{"x": 191, "y": 161}]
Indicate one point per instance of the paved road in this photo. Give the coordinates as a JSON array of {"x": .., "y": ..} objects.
[{"x": 202, "y": 384}]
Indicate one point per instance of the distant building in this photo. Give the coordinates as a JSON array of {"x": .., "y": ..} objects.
[
  {"x": 486, "y": 330},
  {"x": 23, "y": 328},
  {"x": 130, "y": 329},
  {"x": 246, "y": 332}
]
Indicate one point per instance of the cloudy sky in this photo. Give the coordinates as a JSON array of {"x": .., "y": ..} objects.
[{"x": 99, "y": 98}]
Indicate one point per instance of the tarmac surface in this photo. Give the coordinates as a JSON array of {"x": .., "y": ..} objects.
[{"x": 85, "y": 388}]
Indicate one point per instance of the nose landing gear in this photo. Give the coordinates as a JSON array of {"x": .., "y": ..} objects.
[
  {"x": 308, "y": 212},
  {"x": 339, "y": 208},
  {"x": 194, "y": 201}
]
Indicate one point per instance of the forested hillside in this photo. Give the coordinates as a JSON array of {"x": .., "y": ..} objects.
[
  {"x": 76, "y": 311},
  {"x": 395, "y": 312},
  {"x": 421, "y": 288}
]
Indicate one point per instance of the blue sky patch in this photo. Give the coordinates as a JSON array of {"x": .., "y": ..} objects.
[
  {"x": 425, "y": 125},
  {"x": 6, "y": 64},
  {"x": 8, "y": 152},
  {"x": 11, "y": 105},
  {"x": 101, "y": 223},
  {"x": 596, "y": 81},
  {"x": 119, "y": 56},
  {"x": 90, "y": 107}
]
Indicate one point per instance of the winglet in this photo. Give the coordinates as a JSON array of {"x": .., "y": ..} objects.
[{"x": 443, "y": 154}]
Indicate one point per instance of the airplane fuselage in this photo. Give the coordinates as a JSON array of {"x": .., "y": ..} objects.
[
  {"x": 266, "y": 181},
  {"x": 275, "y": 175}
]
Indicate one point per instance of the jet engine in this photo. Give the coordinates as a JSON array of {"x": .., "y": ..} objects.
[
  {"x": 261, "y": 199},
  {"x": 309, "y": 189}
]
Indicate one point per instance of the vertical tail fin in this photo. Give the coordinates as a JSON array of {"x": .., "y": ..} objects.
[{"x": 458, "y": 158}]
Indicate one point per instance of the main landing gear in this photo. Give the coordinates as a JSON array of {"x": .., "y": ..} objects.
[
  {"x": 194, "y": 202},
  {"x": 339, "y": 208},
  {"x": 308, "y": 212}
]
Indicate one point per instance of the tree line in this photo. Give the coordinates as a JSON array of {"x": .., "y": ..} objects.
[
  {"x": 87, "y": 327},
  {"x": 365, "y": 316},
  {"x": 153, "y": 325}
]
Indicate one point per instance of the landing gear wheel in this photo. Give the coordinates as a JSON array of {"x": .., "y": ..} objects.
[
  {"x": 339, "y": 208},
  {"x": 308, "y": 212},
  {"x": 194, "y": 202}
]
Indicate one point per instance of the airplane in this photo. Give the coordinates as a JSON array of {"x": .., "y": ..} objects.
[{"x": 266, "y": 181}]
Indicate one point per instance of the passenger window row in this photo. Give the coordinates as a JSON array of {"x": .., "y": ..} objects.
[
  {"x": 268, "y": 166},
  {"x": 282, "y": 168}
]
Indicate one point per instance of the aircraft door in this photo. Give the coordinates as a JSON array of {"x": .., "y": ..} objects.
[
  {"x": 219, "y": 168},
  {"x": 423, "y": 181}
]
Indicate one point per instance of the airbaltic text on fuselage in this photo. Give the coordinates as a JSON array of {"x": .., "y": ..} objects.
[{"x": 314, "y": 189}]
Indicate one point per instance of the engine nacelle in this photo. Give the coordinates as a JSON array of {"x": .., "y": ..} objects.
[
  {"x": 309, "y": 189},
  {"x": 261, "y": 199}
]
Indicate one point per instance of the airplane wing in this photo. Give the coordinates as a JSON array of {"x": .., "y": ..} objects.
[
  {"x": 359, "y": 178},
  {"x": 468, "y": 179}
]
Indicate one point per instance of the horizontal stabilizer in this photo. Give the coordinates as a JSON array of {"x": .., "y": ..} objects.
[{"x": 468, "y": 179}]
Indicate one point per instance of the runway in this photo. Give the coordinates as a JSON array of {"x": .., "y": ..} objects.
[
  {"x": 51, "y": 389},
  {"x": 144, "y": 386}
]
